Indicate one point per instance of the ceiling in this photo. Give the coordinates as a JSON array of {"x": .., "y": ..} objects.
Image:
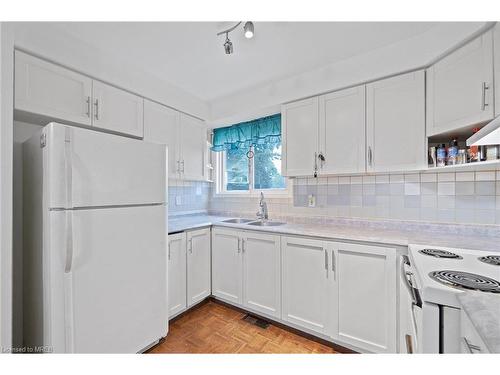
[{"x": 190, "y": 56}]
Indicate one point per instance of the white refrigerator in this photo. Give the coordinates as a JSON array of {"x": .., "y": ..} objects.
[{"x": 95, "y": 235}]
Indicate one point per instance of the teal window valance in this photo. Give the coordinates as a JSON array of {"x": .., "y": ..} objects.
[{"x": 265, "y": 130}]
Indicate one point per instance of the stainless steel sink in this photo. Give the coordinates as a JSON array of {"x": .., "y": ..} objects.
[
  {"x": 266, "y": 223},
  {"x": 237, "y": 221}
]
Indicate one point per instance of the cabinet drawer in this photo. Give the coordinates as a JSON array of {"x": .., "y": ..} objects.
[{"x": 471, "y": 342}]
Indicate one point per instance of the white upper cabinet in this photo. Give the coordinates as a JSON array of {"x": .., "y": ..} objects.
[
  {"x": 460, "y": 87},
  {"x": 226, "y": 265},
  {"x": 364, "y": 289},
  {"x": 496, "y": 58},
  {"x": 176, "y": 274},
  {"x": 305, "y": 283},
  {"x": 50, "y": 90},
  {"x": 395, "y": 123},
  {"x": 117, "y": 110},
  {"x": 161, "y": 125},
  {"x": 193, "y": 143},
  {"x": 342, "y": 131},
  {"x": 198, "y": 266},
  {"x": 261, "y": 273},
  {"x": 299, "y": 122}
]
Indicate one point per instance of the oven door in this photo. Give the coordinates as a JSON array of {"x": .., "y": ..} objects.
[{"x": 411, "y": 311}]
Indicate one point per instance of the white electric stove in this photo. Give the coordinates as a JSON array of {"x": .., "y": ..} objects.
[{"x": 433, "y": 277}]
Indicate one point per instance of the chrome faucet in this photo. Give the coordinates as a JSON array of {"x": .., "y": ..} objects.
[{"x": 262, "y": 213}]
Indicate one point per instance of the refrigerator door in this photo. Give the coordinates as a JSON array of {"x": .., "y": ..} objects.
[
  {"x": 114, "y": 267},
  {"x": 87, "y": 168}
]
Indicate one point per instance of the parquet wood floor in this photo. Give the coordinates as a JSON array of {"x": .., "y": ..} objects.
[{"x": 216, "y": 328}]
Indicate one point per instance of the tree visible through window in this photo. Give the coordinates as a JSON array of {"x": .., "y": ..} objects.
[{"x": 263, "y": 171}]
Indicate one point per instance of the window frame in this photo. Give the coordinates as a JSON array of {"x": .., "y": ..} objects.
[{"x": 220, "y": 181}]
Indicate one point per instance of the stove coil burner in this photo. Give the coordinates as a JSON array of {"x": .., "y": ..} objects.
[
  {"x": 440, "y": 254},
  {"x": 491, "y": 259},
  {"x": 466, "y": 280}
]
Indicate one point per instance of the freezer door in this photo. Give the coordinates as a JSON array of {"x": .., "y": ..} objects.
[
  {"x": 87, "y": 168},
  {"x": 115, "y": 286}
]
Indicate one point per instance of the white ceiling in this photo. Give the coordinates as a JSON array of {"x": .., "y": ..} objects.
[{"x": 190, "y": 56}]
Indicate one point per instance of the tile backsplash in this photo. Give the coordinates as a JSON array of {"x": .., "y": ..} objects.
[
  {"x": 187, "y": 196},
  {"x": 461, "y": 197}
]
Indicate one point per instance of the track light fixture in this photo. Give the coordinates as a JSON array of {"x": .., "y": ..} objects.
[{"x": 248, "y": 30}]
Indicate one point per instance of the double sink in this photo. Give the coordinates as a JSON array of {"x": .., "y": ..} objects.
[{"x": 257, "y": 223}]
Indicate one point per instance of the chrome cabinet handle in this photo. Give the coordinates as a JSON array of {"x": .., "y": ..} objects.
[
  {"x": 326, "y": 262},
  {"x": 88, "y": 106},
  {"x": 333, "y": 261},
  {"x": 315, "y": 165},
  {"x": 191, "y": 246},
  {"x": 484, "y": 87},
  {"x": 242, "y": 245},
  {"x": 370, "y": 156},
  {"x": 178, "y": 162},
  {"x": 96, "y": 105},
  {"x": 239, "y": 248},
  {"x": 182, "y": 162},
  {"x": 470, "y": 347},
  {"x": 169, "y": 251}
]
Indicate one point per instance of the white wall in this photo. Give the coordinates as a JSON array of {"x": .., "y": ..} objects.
[
  {"x": 45, "y": 40},
  {"x": 396, "y": 58},
  {"x": 6, "y": 116}
]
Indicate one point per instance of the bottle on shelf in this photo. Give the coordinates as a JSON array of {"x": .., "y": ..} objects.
[
  {"x": 441, "y": 155},
  {"x": 452, "y": 153},
  {"x": 474, "y": 150}
]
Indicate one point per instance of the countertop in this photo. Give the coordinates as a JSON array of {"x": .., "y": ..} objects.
[
  {"x": 483, "y": 309},
  {"x": 354, "y": 231}
]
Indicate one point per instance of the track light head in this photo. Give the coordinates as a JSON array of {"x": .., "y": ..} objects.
[
  {"x": 249, "y": 29},
  {"x": 228, "y": 45}
]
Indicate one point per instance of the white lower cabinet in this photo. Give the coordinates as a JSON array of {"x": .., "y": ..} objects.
[
  {"x": 226, "y": 265},
  {"x": 176, "y": 273},
  {"x": 305, "y": 283},
  {"x": 198, "y": 266},
  {"x": 261, "y": 273},
  {"x": 188, "y": 269},
  {"x": 363, "y": 290}
]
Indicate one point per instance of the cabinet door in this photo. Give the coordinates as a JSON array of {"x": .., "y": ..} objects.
[
  {"x": 496, "y": 59},
  {"x": 342, "y": 131},
  {"x": 47, "y": 89},
  {"x": 261, "y": 273},
  {"x": 198, "y": 266},
  {"x": 161, "y": 125},
  {"x": 117, "y": 110},
  {"x": 176, "y": 273},
  {"x": 460, "y": 87},
  {"x": 299, "y": 122},
  {"x": 366, "y": 291},
  {"x": 395, "y": 123},
  {"x": 226, "y": 265},
  {"x": 305, "y": 283},
  {"x": 193, "y": 136}
]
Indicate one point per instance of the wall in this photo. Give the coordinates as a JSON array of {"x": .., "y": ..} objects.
[
  {"x": 462, "y": 197},
  {"x": 186, "y": 197}
]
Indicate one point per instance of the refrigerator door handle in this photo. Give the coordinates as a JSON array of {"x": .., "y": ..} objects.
[{"x": 69, "y": 241}]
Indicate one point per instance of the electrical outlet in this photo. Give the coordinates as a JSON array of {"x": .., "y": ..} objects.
[
  {"x": 311, "y": 200},
  {"x": 178, "y": 200}
]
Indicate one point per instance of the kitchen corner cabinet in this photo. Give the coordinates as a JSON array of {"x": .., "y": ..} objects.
[
  {"x": 395, "y": 123},
  {"x": 226, "y": 265},
  {"x": 117, "y": 110},
  {"x": 364, "y": 289},
  {"x": 305, "y": 289},
  {"x": 299, "y": 122},
  {"x": 496, "y": 60},
  {"x": 161, "y": 125},
  {"x": 198, "y": 266},
  {"x": 52, "y": 91},
  {"x": 342, "y": 131},
  {"x": 176, "y": 274},
  {"x": 460, "y": 87},
  {"x": 246, "y": 270},
  {"x": 185, "y": 137}
]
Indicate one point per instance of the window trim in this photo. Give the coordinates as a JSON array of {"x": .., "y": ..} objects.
[{"x": 220, "y": 182}]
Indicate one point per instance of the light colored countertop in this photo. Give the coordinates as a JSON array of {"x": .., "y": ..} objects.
[
  {"x": 354, "y": 231},
  {"x": 483, "y": 309}
]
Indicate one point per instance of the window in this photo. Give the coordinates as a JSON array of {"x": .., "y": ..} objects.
[{"x": 237, "y": 172}]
